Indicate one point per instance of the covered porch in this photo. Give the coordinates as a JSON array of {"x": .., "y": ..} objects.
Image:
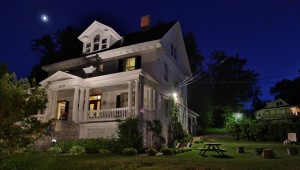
[{"x": 98, "y": 99}]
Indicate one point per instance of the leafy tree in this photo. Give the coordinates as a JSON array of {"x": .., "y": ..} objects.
[
  {"x": 3, "y": 69},
  {"x": 288, "y": 90},
  {"x": 60, "y": 46},
  {"x": 230, "y": 82},
  {"x": 195, "y": 102},
  {"x": 18, "y": 106},
  {"x": 193, "y": 53}
]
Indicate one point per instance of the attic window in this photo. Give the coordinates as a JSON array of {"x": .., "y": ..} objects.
[
  {"x": 104, "y": 43},
  {"x": 96, "y": 39},
  {"x": 173, "y": 51}
]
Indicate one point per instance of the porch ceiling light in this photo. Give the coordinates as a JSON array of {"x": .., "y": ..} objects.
[{"x": 89, "y": 69}]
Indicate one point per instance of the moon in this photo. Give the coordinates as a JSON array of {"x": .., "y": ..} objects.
[{"x": 44, "y": 18}]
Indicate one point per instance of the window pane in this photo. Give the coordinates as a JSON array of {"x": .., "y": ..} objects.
[
  {"x": 97, "y": 38},
  {"x": 96, "y": 47}
]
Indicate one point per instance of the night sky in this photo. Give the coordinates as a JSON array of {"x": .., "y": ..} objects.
[{"x": 266, "y": 32}]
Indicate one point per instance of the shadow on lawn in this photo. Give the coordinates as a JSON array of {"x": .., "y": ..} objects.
[{"x": 222, "y": 156}]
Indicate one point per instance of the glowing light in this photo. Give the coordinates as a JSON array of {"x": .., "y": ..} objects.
[
  {"x": 44, "y": 18},
  {"x": 238, "y": 116},
  {"x": 175, "y": 96}
]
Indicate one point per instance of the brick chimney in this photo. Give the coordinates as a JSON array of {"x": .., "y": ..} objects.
[{"x": 145, "y": 23}]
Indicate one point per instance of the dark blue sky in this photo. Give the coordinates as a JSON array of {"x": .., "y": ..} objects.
[{"x": 266, "y": 32}]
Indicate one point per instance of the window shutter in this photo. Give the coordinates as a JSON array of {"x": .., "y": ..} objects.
[
  {"x": 118, "y": 102},
  {"x": 138, "y": 62},
  {"x": 120, "y": 67}
]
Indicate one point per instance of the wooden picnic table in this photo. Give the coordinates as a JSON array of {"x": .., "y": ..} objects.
[{"x": 212, "y": 147}]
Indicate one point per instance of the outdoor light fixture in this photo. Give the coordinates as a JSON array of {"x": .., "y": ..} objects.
[
  {"x": 53, "y": 141},
  {"x": 238, "y": 116},
  {"x": 175, "y": 96}
]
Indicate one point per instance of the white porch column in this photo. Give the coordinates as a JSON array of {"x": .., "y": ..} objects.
[
  {"x": 75, "y": 105},
  {"x": 54, "y": 104},
  {"x": 86, "y": 104},
  {"x": 49, "y": 106},
  {"x": 142, "y": 94},
  {"x": 150, "y": 99},
  {"x": 81, "y": 99},
  {"x": 137, "y": 96},
  {"x": 129, "y": 96}
]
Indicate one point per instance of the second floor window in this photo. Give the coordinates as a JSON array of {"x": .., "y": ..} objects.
[
  {"x": 129, "y": 64},
  {"x": 166, "y": 70}
]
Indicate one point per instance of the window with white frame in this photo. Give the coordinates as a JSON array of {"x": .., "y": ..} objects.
[{"x": 96, "y": 42}]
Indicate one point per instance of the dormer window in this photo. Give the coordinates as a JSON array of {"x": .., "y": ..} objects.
[
  {"x": 88, "y": 47},
  {"x": 97, "y": 39},
  {"x": 104, "y": 43},
  {"x": 96, "y": 43}
]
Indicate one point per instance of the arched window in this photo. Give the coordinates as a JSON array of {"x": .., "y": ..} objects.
[
  {"x": 96, "y": 42},
  {"x": 96, "y": 39}
]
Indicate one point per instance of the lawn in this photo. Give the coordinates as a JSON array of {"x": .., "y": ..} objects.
[{"x": 188, "y": 160}]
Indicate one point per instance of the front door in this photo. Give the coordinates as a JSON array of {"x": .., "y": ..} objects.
[
  {"x": 95, "y": 103},
  {"x": 62, "y": 110}
]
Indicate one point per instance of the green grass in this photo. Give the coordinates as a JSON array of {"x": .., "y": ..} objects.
[
  {"x": 214, "y": 131},
  {"x": 188, "y": 160}
]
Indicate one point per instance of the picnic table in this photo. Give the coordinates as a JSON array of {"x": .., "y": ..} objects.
[{"x": 212, "y": 147}]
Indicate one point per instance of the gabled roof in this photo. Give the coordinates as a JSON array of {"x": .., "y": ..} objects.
[
  {"x": 96, "y": 26},
  {"x": 154, "y": 33},
  {"x": 58, "y": 76}
]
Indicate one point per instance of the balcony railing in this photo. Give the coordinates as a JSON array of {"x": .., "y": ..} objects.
[{"x": 110, "y": 114}]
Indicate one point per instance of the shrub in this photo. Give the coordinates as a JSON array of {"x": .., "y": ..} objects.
[
  {"x": 151, "y": 151},
  {"x": 167, "y": 151},
  {"x": 66, "y": 145},
  {"x": 129, "y": 134},
  {"x": 30, "y": 150},
  {"x": 54, "y": 150},
  {"x": 104, "y": 152},
  {"x": 91, "y": 146},
  {"x": 77, "y": 150},
  {"x": 129, "y": 151}
]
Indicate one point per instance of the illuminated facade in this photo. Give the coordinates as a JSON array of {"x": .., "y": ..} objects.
[
  {"x": 120, "y": 76},
  {"x": 278, "y": 110}
]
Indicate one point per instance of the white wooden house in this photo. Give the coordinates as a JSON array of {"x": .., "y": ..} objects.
[
  {"x": 278, "y": 111},
  {"x": 120, "y": 76}
]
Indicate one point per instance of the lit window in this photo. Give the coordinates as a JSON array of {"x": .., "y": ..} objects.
[
  {"x": 101, "y": 67},
  {"x": 129, "y": 64}
]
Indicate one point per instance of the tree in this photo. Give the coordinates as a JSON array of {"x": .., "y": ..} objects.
[
  {"x": 60, "y": 46},
  {"x": 288, "y": 90},
  {"x": 18, "y": 106},
  {"x": 3, "y": 69},
  {"x": 231, "y": 84},
  {"x": 193, "y": 53}
]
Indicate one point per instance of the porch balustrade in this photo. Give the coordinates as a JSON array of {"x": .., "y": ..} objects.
[{"x": 110, "y": 114}]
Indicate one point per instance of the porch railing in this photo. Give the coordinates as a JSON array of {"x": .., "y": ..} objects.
[{"x": 110, "y": 114}]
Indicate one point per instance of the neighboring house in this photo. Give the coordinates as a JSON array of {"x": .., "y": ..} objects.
[
  {"x": 278, "y": 110},
  {"x": 118, "y": 77}
]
